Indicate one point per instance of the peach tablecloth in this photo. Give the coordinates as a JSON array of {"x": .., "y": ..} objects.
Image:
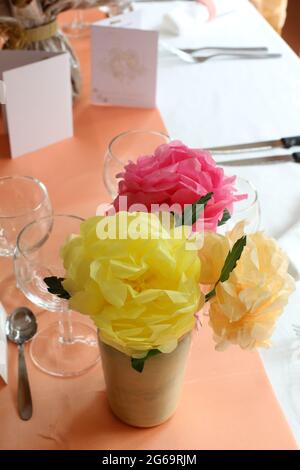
[{"x": 227, "y": 401}]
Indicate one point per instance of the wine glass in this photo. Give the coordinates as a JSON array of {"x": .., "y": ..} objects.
[
  {"x": 23, "y": 199},
  {"x": 78, "y": 27},
  {"x": 126, "y": 147},
  {"x": 65, "y": 348},
  {"x": 117, "y": 7},
  {"x": 247, "y": 210}
]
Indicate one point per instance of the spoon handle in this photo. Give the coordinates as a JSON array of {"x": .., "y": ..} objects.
[{"x": 24, "y": 394}]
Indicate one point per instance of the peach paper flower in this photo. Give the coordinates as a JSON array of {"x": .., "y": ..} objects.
[{"x": 247, "y": 305}]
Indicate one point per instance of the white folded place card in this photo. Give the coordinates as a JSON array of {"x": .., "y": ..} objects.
[
  {"x": 124, "y": 62},
  {"x": 38, "y": 99},
  {"x": 3, "y": 345}
]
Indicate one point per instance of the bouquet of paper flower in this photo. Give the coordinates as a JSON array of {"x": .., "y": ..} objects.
[
  {"x": 32, "y": 24},
  {"x": 144, "y": 277}
]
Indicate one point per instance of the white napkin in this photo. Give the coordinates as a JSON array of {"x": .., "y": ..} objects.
[
  {"x": 187, "y": 17},
  {"x": 290, "y": 243},
  {"x": 3, "y": 345}
]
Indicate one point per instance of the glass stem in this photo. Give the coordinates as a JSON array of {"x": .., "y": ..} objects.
[
  {"x": 78, "y": 19},
  {"x": 66, "y": 327}
]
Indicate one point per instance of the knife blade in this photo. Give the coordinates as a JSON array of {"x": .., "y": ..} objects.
[
  {"x": 285, "y": 142},
  {"x": 293, "y": 157}
]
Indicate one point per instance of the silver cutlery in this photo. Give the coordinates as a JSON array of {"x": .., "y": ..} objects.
[
  {"x": 293, "y": 271},
  {"x": 292, "y": 157},
  {"x": 199, "y": 59},
  {"x": 194, "y": 59},
  {"x": 284, "y": 142},
  {"x": 195, "y": 50},
  {"x": 21, "y": 326},
  {"x": 296, "y": 329}
]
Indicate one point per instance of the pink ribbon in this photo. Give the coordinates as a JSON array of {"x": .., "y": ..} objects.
[{"x": 210, "y": 5}]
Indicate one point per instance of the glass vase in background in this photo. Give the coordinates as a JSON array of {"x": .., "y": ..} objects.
[
  {"x": 65, "y": 348},
  {"x": 23, "y": 199}
]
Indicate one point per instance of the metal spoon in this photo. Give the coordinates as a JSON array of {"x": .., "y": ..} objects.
[{"x": 21, "y": 326}]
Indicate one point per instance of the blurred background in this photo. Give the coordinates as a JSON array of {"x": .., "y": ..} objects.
[{"x": 291, "y": 29}]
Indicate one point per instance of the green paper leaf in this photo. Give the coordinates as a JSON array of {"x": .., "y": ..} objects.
[
  {"x": 191, "y": 213},
  {"x": 139, "y": 363},
  {"x": 55, "y": 287},
  {"x": 232, "y": 258},
  {"x": 226, "y": 216},
  {"x": 210, "y": 294},
  {"x": 230, "y": 263}
]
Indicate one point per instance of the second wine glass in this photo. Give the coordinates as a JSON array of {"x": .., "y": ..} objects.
[
  {"x": 23, "y": 199},
  {"x": 65, "y": 348},
  {"x": 246, "y": 210},
  {"x": 125, "y": 147}
]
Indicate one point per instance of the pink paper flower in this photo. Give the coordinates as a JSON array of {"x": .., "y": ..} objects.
[{"x": 177, "y": 174}]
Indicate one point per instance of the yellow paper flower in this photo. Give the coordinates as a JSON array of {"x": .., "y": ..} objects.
[
  {"x": 247, "y": 305},
  {"x": 142, "y": 292}
]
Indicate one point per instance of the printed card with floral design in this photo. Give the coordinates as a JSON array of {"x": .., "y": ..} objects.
[{"x": 124, "y": 62}]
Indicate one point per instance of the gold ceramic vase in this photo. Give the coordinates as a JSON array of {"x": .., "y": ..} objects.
[{"x": 148, "y": 398}]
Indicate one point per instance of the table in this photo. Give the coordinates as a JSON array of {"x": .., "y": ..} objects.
[
  {"x": 219, "y": 388},
  {"x": 222, "y": 103}
]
